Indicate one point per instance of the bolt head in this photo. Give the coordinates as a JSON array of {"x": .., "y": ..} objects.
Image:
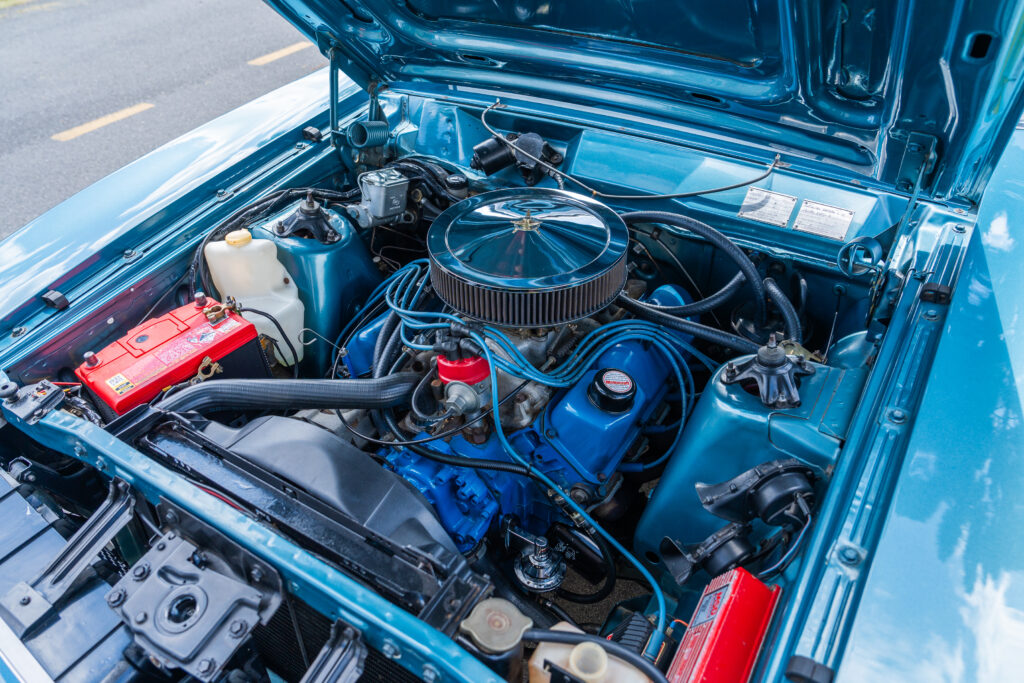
[
  {"x": 141, "y": 617},
  {"x": 116, "y": 597},
  {"x": 205, "y": 666},
  {"x": 390, "y": 650},
  {"x": 140, "y": 571},
  {"x": 849, "y": 556},
  {"x": 238, "y": 627}
]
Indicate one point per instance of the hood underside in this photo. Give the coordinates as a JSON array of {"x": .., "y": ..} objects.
[{"x": 877, "y": 88}]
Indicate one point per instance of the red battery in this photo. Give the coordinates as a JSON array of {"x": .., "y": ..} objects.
[
  {"x": 171, "y": 349},
  {"x": 724, "y": 637}
]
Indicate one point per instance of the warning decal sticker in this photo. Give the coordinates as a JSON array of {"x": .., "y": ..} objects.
[{"x": 120, "y": 384}]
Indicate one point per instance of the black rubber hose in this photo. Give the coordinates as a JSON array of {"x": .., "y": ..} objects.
[
  {"x": 706, "y": 304},
  {"x": 436, "y": 437},
  {"x": 609, "y": 577},
  {"x": 716, "y": 238},
  {"x": 280, "y": 330},
  {"x": 475, "y": 463},
  {"x": 423, "y": 417},
  {"x": 389, "y": 353},
  {"x": 704, "y": 332},
  {"x": 789, "y": 315},
  {"x": 292, "y": 394},
  {"x": 383, "y": 337},
  {"x": 613, "y": 648}
]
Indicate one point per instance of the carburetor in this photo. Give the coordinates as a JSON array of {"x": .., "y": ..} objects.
[{"x": 384, "y": 193}]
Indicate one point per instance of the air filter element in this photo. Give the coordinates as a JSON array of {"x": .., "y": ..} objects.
[{"x": 529, "y": 257}]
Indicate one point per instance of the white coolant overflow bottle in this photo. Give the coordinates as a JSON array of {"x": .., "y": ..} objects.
[{"x": 248, "y": 271}]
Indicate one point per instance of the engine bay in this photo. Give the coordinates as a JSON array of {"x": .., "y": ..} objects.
[{"x": 499, "y": 380}]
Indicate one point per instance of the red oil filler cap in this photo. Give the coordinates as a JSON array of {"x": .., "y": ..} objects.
[
  {"x": 724, "y": 637},
  {"x": 171, "y": 349},
  {"x": 469, "y": 370}
]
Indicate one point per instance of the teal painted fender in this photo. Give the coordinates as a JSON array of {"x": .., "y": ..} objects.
[{"x": 945, "y": 595}]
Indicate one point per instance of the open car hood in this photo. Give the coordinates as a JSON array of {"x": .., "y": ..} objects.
[{"x": 875, "y": 89}]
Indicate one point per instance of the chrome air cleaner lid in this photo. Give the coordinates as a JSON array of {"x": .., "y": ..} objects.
[{"x": 529, "y": 257}]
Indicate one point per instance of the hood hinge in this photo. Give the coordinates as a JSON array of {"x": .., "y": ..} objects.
[{"x": 918, "y": 161}]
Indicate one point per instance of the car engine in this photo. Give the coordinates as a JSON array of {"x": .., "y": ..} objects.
[{"x": 476, "y": 386}]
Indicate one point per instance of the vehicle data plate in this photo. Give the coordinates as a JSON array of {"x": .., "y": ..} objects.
[
  {"x": 822, "y": 219},
  {"x": 767, "y": 207}
]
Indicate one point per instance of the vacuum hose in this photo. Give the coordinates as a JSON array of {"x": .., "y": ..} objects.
[
  {"x": 789, "y": 315},
  {"x": 292, "y": 394},
  {"x": 647, "y": 312},
  {"x": 716, "y": 238}
]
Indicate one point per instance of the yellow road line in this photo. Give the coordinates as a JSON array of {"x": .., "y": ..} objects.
[
  {"x": 72, "y": 133},
  {"x": 283, "y": 52}
]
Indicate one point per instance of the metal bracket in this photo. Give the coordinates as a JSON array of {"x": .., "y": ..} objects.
[
  {"x": 936, "y": 293},
  {"x": 342, "y": 658},
  {"x": 26, "y": 604},
  {"x": 334, "y": 57},
  {"x": 918, "y": 160},
  {"x": 191, "y": 603},
  {"x": 31, "y": 404}
]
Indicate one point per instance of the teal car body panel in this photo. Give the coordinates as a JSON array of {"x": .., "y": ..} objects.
[
  {"x": 945, "y": 595},
  {"x": 859, "y": 87}
]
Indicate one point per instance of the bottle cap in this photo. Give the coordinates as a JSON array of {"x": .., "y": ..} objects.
[
  {"x": 238, "y": 238},
  {"x": 495, "y": 625}
]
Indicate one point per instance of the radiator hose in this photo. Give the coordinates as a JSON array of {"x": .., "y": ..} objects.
[{"x": 292, "y": 394}]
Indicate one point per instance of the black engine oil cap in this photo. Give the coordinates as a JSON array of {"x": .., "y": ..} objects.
[{"x": 612, "y": 390}]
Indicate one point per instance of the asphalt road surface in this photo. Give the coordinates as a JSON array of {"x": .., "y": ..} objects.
[{"x": 86, "y": 86}]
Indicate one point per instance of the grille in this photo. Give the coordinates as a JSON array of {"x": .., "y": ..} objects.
[
  {"x": 279, "y": 648},
  {"x": 528, "y": 257}
]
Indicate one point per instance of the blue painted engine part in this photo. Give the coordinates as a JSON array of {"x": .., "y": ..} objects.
[
  {"x": 358, "y": 355},
  {"x": 333, "y": 279},
  {"x": 729, "y": 432},
  {"x": 573, "y": 441}
]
